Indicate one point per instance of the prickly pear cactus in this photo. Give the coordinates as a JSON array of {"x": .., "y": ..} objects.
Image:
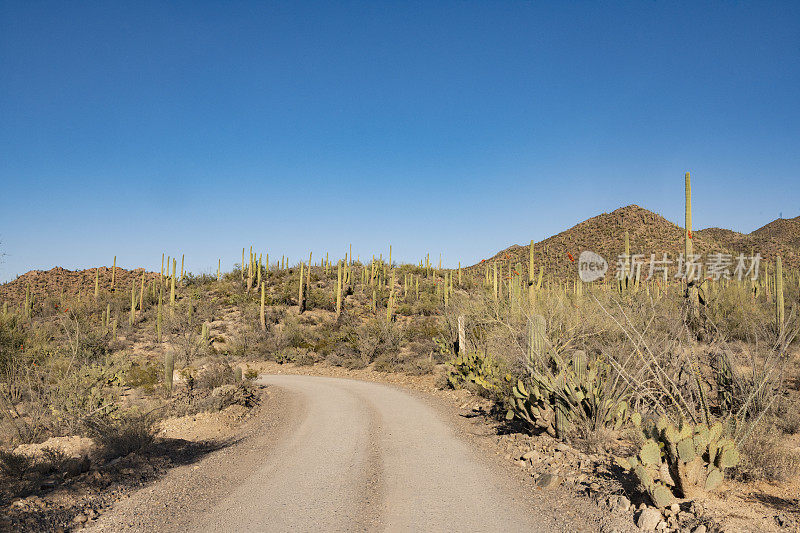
[
  {"x": 686, "y": 461},
  {"x": 553, "y": 401},
  {"x": 482, "y": 370}
]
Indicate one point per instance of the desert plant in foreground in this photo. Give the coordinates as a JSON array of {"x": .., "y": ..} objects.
[
  {"x": 118, "y": 437},
  {"x": 686, "y": 461}
]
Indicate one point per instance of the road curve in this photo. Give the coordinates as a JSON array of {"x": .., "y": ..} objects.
[{"x": 352, "y": 456}]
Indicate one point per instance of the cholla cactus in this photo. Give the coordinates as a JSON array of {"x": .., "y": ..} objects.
[{"x": 686, "y": 461}]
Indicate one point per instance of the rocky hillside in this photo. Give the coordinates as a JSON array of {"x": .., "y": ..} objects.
[
  {"x": 649, "y": 233},
  {"x": 52, "y": 282}
]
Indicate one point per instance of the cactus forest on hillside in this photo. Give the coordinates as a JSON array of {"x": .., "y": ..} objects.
[{"x": 687, "y": 372}]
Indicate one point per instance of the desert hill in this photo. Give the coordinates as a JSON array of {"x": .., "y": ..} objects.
[
  {"x": 44, "y": 283},
  {"x": 649, "y": 233}
]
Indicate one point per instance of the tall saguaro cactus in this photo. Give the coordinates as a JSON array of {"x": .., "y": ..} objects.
[
  {"x": 113, "y": 273},
  {"x": 141, "y": 293},
  {"x": 263, "y": 312},
  {"x": 160, "y": 313},
  {"x": 169, "y": 369},
  {"x": 692, "y": 294},
  {"x": 172, "y": 283},
  {"x": 779, "y": 306},
  {"x": 132, "y": 317},
  {"x": 339, "y": 290},
  {"x": 301, "y": 299}
]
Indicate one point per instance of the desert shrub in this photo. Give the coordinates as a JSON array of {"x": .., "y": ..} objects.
[
  {"x": 765, "y": 456},
  {"x": 117, "y": 437},
  {"x": 185, "y": 324},
  {"x": 317, "y": 298},
  {"x": 787, "y": 415},
  {"x": 248, "y": 339},
  {"x": 304, "y": 357},
  {"x": 405, "y": 362},
  {"x": 52, "y": 460},
  {"x": 734, "y": 313},
  {"x": 145, "y": 375},
  {"x": 250, "y": 374},
  {"x": 214, "y": 374},
  {"x": 15, "y": 464}
]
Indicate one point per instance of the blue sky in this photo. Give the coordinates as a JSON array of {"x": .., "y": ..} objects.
[{"x": 137, "y": 128}]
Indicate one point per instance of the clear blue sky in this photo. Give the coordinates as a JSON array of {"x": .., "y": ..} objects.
[{"x": 137, "y": 128}]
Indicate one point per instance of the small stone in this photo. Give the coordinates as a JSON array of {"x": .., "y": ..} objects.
[
  {"x": 661, "y": 526},
  {"x": 623, "y": 504},
  {"x": 675, "y": 508},
  {"x": 532, "y": 456},
  {"x": 548, "y": 481},
  {"x": 699, "y": 529},
  {"x": 696, "y": 509},
  {"x": 80, "y": 518},
  {"x": 648, "y": 519}
]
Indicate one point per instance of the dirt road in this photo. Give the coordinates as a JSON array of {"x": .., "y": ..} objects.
[{"x": 342, "y": 455}]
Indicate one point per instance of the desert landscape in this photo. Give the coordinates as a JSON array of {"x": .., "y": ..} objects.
[
  {"x": 379, "y": 266},
  {"x": 621, "y": 401}
]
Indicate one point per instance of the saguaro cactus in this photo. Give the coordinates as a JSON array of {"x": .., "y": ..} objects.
[
  {"x": 339, "y": 290},
  {"x": 172, "y": 283},
  {"x": 113, "y": 273},
  {"x": 96, "y": 282},
  {"x": 537, "y": 342},
  {"x": 160, "y": 315},
  {"x": 169, "y": 369},
  {"x": 779, "y": 306},
  {"x": 692, "y": 293},
  {"x": 301, "y": 299},
  {"x": 141, "y": 292},
  {"x": 263, "y": 312},
  {"x": 132, "y": 317}
]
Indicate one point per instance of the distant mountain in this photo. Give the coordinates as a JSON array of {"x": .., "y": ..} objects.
[
  {"x": 649, "y": 233},
  {"x": 53, "y": 282}
]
